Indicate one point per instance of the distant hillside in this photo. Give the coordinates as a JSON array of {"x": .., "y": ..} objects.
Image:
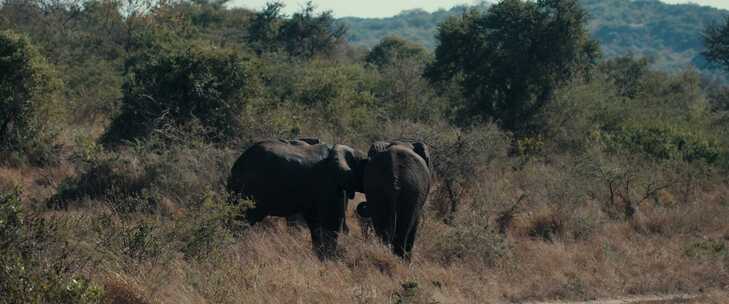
[{"x": 670, "y": 34}]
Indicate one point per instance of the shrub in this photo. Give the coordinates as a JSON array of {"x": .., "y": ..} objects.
[
  {"x": 175, "y": 88},
  {"x": 322, "y": 97},
  {"x": 404, "y": 94},
  {"x": 94, "y": 90},
  {"x": 393, "y": 49},
  {"x": 211, "y": 226},
  {"x": 36, "y": 265},
  {"x": 109, "y": 178},
  {"x": 666, "y": 144},
  {"x": 169, "y": 169},
  {"x": 472, "y": 239},
  {"x": 29, "y": 100},
  {"x": 458, "y": 159}
]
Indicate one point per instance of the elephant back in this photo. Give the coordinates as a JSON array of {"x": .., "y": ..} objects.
[{"x": 419, "y": 148}]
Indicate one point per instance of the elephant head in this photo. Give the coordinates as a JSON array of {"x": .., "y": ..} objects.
[{"x": 350, "y": 165}]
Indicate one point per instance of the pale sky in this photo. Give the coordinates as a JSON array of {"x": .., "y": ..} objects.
[{"x": 388, "y": 8}]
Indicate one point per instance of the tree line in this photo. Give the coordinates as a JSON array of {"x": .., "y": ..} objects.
[{"x": 139, "y": 67}]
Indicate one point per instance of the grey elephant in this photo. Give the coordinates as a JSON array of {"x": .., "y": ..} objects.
[
  {"x": 285, "y": 178},
  {"x": 396, "y": 184}
]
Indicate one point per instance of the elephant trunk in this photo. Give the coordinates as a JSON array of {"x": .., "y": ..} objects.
[
  {"x": 360, "y": 162},
  {"x": 351, "y": 165}
]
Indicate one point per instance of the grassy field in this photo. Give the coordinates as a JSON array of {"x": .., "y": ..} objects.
[{"x": 521, "y": 234}]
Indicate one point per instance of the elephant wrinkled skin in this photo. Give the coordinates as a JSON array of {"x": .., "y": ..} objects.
[{"x": 285, "y": 178}]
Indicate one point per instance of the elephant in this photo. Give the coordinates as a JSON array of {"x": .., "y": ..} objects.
[
  {"x": 396, "y": 184},
  {"x": 285, "y": 178}
]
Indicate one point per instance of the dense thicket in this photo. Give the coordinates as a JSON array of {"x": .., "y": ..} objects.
[{"x": 30, "y": 100}]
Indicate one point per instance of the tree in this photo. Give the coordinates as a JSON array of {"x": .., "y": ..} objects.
[
  {"x": 626, "y": 73},
  {"x": 181, "y": 87},
  {"x": 263, "y": 32},
  {"x": 509, "y": 60},
  {"x": 403, "y": 90},
  {"x": 29, "y": 98},
  {"x": 716, "y": 41},
  {"x": 306, "y": 34},
  {"x": 392, "y": 49}
]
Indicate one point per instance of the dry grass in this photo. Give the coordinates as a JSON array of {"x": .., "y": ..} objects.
[
  {"x": 558, "y": 245},
  {"x": 273, "y": 264}
]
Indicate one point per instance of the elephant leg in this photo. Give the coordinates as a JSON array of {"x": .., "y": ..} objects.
[
  {"x": 406, "y": 223},
  {"x": 411, "y": 239},
  {"x": 332, "y": 223},
  {"x": 312, "y": 220},
  {"x": 385, "y": 220}
]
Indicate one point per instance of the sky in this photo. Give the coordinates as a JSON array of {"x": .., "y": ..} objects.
[{"x": 388, "y": 8}]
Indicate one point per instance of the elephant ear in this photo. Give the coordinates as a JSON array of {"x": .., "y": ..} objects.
[
  {"x": 342, "y": 158},
  {"x": 422, "y": 150}
]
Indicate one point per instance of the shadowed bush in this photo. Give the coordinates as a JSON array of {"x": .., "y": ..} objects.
[{"x": 207, "y": 85}]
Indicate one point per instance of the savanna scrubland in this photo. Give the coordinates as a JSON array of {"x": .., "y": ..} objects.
[{"x": 559, "y": 174}]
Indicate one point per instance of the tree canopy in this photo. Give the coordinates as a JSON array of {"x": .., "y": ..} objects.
[
  {"x": 510, "y": 59},
  {"x": 305, "y": 34},
  {"x": 394, "y": 48},
  {"x": 716, "y": 40}
]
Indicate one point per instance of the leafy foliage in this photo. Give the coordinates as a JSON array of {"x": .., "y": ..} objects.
[
  {"x": 29, "y": 99},
  {"x": 392, "y": 49},
  {"x": 666, "y": 144},
  {"x": 178, "y": 88},
  {"x": 510, "y": 59},
  {"x": 305, "y": 34},
  {"x": 716, "y": 39},
  {"x": 26, "y": 275}
]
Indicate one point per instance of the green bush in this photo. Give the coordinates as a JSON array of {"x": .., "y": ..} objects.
[
  {"x": 93, "y": 87},
  {"x": 211, "y": 227},
  {"x": 392, "y": 49},
  {"x": 666, "y": 144},
  {"x": 35, "y": 262},
  {"x": 29, "y": 100},
  {"x": 323, "y": 97},
  {"x": 171, "y": 169},
  {"x": 208, "y": 86},
  {"x": 484, "y": 244},
  {"x": 402, "y": 92}
]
